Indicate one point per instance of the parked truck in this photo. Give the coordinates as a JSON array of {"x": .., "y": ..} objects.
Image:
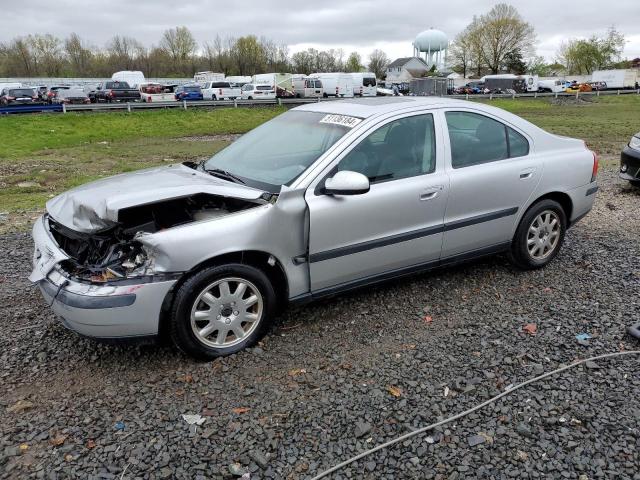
[
  {"x": 156, "y": 92},
  {"x": 114, "y": 91},
  {"x": 364, "y": 84},
  {"x": 619, "y": 79},
  {"x": 220, "y": 90}
]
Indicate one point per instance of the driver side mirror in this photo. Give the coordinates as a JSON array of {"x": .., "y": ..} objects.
[{"x": 346, "y": 182}]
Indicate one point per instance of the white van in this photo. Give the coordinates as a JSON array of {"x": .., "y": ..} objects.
[
  {"x": 133, "y": 77},
  {"x": 335, "y": 84},
  {"x": 220, "y": 91},
  {"x": 281, "y": 82},
  {"x": 252, "y": 91},
  {"x": 307, "y": 87},
  {"x": 553, "y": 86},
  {"x": 364, "y": 84}
]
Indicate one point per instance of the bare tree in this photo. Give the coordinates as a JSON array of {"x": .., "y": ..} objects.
[
  {"x": 78, "y": 55},
  {"x": 378, "y": 62},
  {"x": 501, "y": 31},
  {"x": 180, "y": 46}
]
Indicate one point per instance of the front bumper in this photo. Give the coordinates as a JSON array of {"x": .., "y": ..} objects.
[
  {"x": 121, "y": 309},
  {"x": 630, "y": 164}
]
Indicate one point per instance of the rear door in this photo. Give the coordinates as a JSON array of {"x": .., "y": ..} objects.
[
  {"x": 493, "y": 172},
  {"x": 397, "y": 225}
]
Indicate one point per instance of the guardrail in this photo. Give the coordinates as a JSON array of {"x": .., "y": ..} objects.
[{"x": 279, "y": 101}]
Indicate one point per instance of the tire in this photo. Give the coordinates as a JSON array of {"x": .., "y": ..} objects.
[
  {"x": 249, "y": 98},
  {"x": 217, "y": 312},
  {"x": 213, "y": 98},
  {"x": 530, "y": 250}
]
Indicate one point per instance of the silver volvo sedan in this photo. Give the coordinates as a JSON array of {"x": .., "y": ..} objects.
[{"x": 325, "y": 198}]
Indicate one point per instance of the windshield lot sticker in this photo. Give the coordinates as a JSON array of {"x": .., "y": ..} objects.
[{"x": 344, "y": 120}]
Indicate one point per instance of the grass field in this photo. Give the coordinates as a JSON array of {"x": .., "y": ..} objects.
[{"x": 42, "y": 155}]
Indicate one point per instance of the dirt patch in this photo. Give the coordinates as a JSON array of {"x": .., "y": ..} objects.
[{"x": 209, "y": 138}]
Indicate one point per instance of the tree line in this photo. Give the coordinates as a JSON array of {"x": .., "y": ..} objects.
[
  {"x": 502, "y": 41},
  {"x": 177, "y": 54}
]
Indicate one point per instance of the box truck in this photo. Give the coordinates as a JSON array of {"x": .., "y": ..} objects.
[{"x": 617, "y": 79}]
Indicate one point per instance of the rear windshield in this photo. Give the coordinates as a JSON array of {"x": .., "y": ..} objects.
[
  {"x": 117, "y": 85},
  {"x": 191, "y": 89},
  {"x": 22, "y": 92},
  {"x": 369, "y": 82},
  {"x": 220, "y": 85},
  {"x": 264, "y": 87}
]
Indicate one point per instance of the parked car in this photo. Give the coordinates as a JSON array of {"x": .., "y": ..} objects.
[
  {"x": 305, "y": 206},
  {"x": 220, "y": 91},
  {"x": 251, "y": 91},
  {"x": 71, "y": 96},
  {"x": 114, "y": 91},
  {"x": 41, "y": 91},
  {"x": 52, "y": 93},
  {"x": 156, "y": 92},
  {"x": 282, "y": 83},
  {"x": 630, "y": 161},
  {"x": 307, "y": 87},
  {"x": 19, "y": 96},
  {"x": 188, "y": 92}
]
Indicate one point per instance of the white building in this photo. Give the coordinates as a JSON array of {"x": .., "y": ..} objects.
[{"x": 403, "y": 70}]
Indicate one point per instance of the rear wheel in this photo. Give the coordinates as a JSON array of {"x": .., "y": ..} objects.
[
  {"x": 222, "y": 310},
  {"x": 539, "y": 236},
  {"x": 213, "y": 97}
]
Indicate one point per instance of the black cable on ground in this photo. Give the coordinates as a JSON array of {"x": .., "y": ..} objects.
[{"x": 467, "y": 412}]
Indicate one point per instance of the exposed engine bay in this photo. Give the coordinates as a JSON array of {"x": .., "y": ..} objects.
[{"x": 114, "y": 253}]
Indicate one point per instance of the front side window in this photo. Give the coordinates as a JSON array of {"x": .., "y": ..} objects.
[
  {"x": 400, "y": 149},
  {"x": 476, "y": 139},
  {"x": 278, "y": 151}
]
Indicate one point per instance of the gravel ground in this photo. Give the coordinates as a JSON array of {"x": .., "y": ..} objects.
[{"x": 343, "y": 375}]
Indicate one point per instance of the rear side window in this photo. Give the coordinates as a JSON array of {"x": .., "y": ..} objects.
[
  {"x": 264, "y": 87},
  {"x": 476, "y": 139},
  {"x": 518, "y": 145}
]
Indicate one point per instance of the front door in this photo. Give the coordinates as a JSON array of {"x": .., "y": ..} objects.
[{"x": 397, "y": 224}]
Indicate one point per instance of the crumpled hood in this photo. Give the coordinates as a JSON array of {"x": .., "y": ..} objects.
[{"x": 94, "y": 206}]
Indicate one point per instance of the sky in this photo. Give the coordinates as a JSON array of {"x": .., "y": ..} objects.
[{"x": 355, "y": 25}]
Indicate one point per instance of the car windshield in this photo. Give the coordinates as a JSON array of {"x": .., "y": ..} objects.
[
  {"x": 264, "y": 87},
  {"x": 278, "y": 151}
]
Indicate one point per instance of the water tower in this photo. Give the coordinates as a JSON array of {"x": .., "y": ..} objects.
[{"x": 434, "y": 45}]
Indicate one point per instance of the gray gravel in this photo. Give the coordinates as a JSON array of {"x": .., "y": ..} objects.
[{"x": 319, "y": 388}]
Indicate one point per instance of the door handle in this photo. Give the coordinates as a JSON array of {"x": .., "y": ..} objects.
[
  {"x": 431, "y": 193},
  {"x": 527, "y": 173}
]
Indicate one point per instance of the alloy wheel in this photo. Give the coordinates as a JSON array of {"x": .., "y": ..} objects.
[
  {"x": 226, "y": 312},
  {"x": 543, "y": 235}
]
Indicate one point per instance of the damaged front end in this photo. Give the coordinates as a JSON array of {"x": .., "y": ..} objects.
[{"x": 115, "y": 253}]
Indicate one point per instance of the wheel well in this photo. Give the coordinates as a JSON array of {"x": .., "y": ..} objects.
[
  {"x": 254, "y": 258},
  {"x": 562, "y": 198}
]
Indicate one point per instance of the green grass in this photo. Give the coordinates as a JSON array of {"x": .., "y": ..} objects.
[
  {"x": 605, "y": 123},
  {"x": 21, "y": 135},
  {"x": 42, "y": 155}
]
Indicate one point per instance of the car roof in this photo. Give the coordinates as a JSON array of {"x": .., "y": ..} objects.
[
  {"x": 367, "y": 107},
  {"x": 375, "y": 106}
]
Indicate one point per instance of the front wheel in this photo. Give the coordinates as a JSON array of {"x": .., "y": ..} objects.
[
  {"x": 539, "y": 236},
  {"x": 222, "y": 310}
]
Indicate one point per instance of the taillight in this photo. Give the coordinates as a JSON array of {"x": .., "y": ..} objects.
[
  {"x": 11, "y": 98},
  {"x": 594, "y": 170},
  {"x": 110, "y": 93},
  {"x": 149, "y": 98},
  {"x": 219, "y": 91}
]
